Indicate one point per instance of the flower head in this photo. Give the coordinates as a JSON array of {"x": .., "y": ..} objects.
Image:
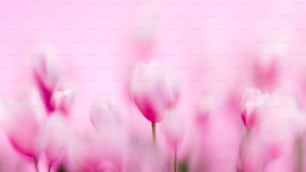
[
  {"x": 46, "y": 77},
  {"x": 251, "y": 100},
  {"x": 153, "y": 91}
]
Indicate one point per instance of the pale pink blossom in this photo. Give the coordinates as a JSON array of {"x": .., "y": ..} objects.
[
  {"x": 91, "y": 151},
  {"x": 173, "y": 129},
  {"x": 153, "y": 91},
  {"x": 251, "y": 100},
  {"x": 103, "y": 148},
  {"x": 55, "y": 138},
  {"x": 46, "y": 76},
  {"x": 105, "y": 116},
  {"x": 281, "y": 122},
  {"x": 62, "y": 100},
  {"x": 267, "y": 66},
  {"x": 24, "y": 128}
]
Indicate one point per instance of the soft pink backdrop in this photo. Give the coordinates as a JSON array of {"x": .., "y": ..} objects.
[{"x": 208, "y": 43}]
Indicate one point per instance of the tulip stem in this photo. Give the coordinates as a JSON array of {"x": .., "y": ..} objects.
[
  {"x": 174, "y": 162},
  {"x": 153, "y": 132},
  {"x": 242, "y": 145},
  {"x": 35, "y": 163},
  {"x": 49, "y": 168},
  {"x": 299, "y": 154}
]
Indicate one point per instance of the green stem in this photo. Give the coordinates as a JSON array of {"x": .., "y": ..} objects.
[
  {"x": 299, "y": 154},
  {"x": 153, "y": 125},
  {"x": 175, "y": 162}
]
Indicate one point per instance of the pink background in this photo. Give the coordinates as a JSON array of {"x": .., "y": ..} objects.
[{"x": 203, "y": 41}]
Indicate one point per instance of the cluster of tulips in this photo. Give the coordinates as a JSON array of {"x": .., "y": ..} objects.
[{"x": 255, "y": 128}]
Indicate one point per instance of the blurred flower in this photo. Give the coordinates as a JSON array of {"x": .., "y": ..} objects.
[
  {"x": 143, "y": 156},
  {"x": 24, "y": 128},
  {"x": 110, "y": 133},
  {"x": 281, "y": 122},
  {"x": 267, "y": 65},
  {"x": 105, "y": 117},
  {"x": 93, "y": 152},
  {"x": 251, "y": 100},
  {"x": 46, "y": 77},
  {"x": 173, "y": 129},
  {"x": 62, "y": 100},
  {"x": 278, "y": 123},
  {"x": 55, "y": 139},
  {"x": 205, "y": 107},
  {"x": 153, "y": 91},
  {"x": 145, "y": 26}
]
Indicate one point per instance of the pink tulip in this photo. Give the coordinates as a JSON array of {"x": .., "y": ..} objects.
[
  {"x": 84, "y": 152},
  {"x": 267, "y": 69},
  {"x": 104, "y": 115},
  {"x": 93, "y": 152},
  {"x": 10, "y": 160},
  {"x": 55, "y": 137},
  {"x": 143, "y": 156},
  {"x": 203, "y": 110},
  {"x": 109, "y": 126},
  {"x": 279, "y": 123},
  {"x": 173, "y": 128},
  {"x": 252, "y": 98},
  {"x": 251, "y": 155},
  {"x": 152, "y": 91},
  {"x": 266, "y": 75},
  {"x": 145, "y": 35},
  {"x": 24, "y": 128},
  {"x": 46, "y": 77},
  {"x": 214, "y": 137},
  {"x": 109, "y": 132},
  {"x": 62, "y": 100}
]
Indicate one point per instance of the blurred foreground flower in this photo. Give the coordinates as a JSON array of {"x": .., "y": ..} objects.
[
  {"x": 62, "y": 100},
  {"x": 173, "y": 129},
  {"x": 46, "y": 77},
  {"x": 24, "y": 129},
  {"x": 55, "y": 139},
  {"x": 279, "y": 122},
  {"x": 153, "y": 92}
]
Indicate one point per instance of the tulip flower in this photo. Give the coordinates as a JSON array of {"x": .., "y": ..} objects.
[
  {"x": 109, "y": 128},
  {"x": 153, "y": 92},
  {"x": 267, "y": 69},
  {"x": 62, "y": 100},
  {"x": 173, "y": 128},
  {"x": 143, "y": 156},
  {"x": 108, "y": 124},
  {"x": 91, "y": 151},
  {"x": 252, "y": 98},
  {"x": 281, "y": 121},
  {"x": 145, "y": 35},
  {"x": 205, "y": 107},
  {"x": 24, "y": 129},
  {"x": 104, "y": 115},
  {"x": 46, "y": 77},
  {"x": 84, "y": 152},
  {"x": 55, "y": 137}
]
